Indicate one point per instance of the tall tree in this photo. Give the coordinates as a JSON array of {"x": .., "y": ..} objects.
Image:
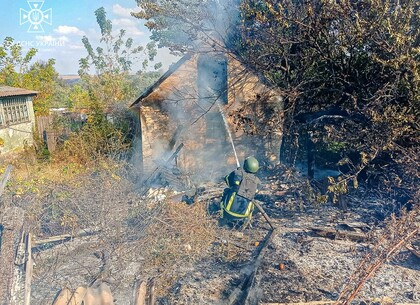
[
  {"x": 111, "y": 63},
  {"x": 186, "y": 25},
  {"x": 43, "y": 78}
]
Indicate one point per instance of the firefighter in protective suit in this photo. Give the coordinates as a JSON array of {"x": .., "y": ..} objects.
[{"x": 236, "y": 204}]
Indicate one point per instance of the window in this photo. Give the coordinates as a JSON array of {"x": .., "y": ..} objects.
[{"x": 13, "y": 111}]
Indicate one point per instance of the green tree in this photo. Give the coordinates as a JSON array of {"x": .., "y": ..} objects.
[
  {"x": 186, "y": 25},
  {"x": 112, "y": 62},
  {"x": 13, "y": 63},
  {"x": 43, "y": 78},
  {"x": 16, "y": 70},
  {"x": 106, "y": 84},
  {"x": 78, "y": 97}
]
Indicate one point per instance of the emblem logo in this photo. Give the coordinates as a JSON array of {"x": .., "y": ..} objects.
[{"x": 35, "y": 16}]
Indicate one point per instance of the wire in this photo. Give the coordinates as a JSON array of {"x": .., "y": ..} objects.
[{"x": 25, "y": 131}]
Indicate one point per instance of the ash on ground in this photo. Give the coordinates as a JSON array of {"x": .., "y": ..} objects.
[{"x": 195, "y": 260}]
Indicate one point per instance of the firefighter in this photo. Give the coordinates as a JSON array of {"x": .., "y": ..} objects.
[{"x": 236, "y": 204}]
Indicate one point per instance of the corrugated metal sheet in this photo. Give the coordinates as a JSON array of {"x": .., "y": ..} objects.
[{"x": 6, "y": 91}]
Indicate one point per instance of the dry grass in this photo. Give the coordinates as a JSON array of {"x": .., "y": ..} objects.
[
  {"x": 171, "y": 235},
  {"x": 181, "y": 232},
  {"x": 161, "y": 238}
]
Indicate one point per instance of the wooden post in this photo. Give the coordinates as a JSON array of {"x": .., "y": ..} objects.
[
  {"x": 28, "y": 269},
  {"x": 260, "y": 208}
]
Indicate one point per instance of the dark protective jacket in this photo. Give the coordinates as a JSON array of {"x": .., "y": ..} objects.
[{"x": 237, "y": 199}]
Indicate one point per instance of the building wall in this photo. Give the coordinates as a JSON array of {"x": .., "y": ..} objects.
[
  {"x": 175, "y": 113},
  {"x": 16, "y": 135}
]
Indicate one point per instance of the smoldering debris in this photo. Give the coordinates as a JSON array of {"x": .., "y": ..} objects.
[
  {"x": 195, "y": 260},
  {"x": 301, "y": 266}
]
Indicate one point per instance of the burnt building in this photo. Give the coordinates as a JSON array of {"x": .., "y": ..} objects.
[{"x": 198, "y": 102}]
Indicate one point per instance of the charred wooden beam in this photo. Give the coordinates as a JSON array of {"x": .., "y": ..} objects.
[
  {"x": 159, "y": 168},
  {"x": 267, "y": 218},
  {"x": 241, "y": 295},
  {"x": 11, "y": 222},
  {"x": 28, "y": 269},
  {"x": 38, "y": 243},
  {"x": 333, "y": 233}
]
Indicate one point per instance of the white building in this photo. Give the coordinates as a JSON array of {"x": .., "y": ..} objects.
[{"x": 17, "y": 119}]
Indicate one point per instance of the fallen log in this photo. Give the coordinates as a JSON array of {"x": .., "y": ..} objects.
[
  {"x": 240, "y": 295},
  {"x": 64, "y": 237},
  {"x": 333, "y": 233},
  {"x": 28, "y": 269},
  {"x": 11, "y": 222}
]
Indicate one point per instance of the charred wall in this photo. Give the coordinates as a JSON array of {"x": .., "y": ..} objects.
[
  {"x": 182, "y": 110},
  {"x": 174, "y": 114}
]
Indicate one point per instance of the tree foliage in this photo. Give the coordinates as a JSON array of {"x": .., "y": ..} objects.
[
  {"x": 185, "y": 25},
  {"x": 13, "y": 63},
  {"x": 349, "y": 72},
  {"x": 16, "y": 70},
  {"x": 43, "y": 78},
  {"x": 117, "y": 53},
  {"x": 112, "y": 61},
  {"x": 106, "y": 88}
]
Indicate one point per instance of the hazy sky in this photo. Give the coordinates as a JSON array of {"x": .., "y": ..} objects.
[{"x": 56, "y": 27}]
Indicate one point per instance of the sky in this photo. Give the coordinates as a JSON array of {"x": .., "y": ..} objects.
[{"x": 56, "y": 28}]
